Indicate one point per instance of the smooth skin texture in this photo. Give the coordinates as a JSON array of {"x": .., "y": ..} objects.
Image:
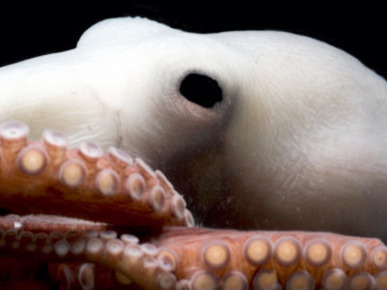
[{"x": 297, "y": 141}]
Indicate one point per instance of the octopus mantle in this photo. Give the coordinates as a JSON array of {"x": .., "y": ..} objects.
[{"x": 79, "y": 218}]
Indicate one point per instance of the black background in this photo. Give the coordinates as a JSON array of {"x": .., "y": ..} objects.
[{"x": 28, "y": 30}]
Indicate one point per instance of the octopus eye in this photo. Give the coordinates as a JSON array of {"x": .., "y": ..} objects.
[{"x": 201, "y": 90}]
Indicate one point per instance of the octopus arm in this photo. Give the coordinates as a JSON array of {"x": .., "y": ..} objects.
[{"x": 103, "y": 251}]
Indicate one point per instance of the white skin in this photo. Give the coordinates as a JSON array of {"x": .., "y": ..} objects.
[{"x": 297, "y": 142}]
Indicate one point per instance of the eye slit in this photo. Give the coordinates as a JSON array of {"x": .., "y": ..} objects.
[{"x": 201, "y": 90}]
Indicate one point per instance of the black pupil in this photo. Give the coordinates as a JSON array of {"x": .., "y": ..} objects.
[{"x": 201, "y": 90}]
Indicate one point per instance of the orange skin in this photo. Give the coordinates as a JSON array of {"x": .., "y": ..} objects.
[{"x": 125, "y": 197}]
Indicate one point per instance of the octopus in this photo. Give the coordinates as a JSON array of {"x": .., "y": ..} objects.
[{"x": 276, "y": 141}]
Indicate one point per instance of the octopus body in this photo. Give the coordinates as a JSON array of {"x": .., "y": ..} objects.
[{"x": 252, "y": 144}]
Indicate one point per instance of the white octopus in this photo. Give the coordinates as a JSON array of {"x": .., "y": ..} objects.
[{"x": 258, "y": 129}]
